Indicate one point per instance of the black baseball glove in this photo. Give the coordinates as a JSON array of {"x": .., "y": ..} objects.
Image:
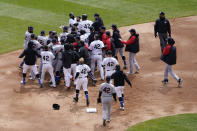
[{"x": 98, "y": 100}]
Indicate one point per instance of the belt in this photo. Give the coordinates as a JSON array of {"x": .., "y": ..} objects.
[
  {"x": 110, "y": 70},
  {"x": 45, "y": 63},
  {"x": 97, "y": 54},
  {"x": 82, "y": 77}
]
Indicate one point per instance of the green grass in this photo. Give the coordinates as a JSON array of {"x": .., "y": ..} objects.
[
  {"x": 16, "y": 15},
  {"x": 183, "y": 122}
]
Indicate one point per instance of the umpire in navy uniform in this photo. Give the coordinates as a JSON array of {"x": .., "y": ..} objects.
[{"x": 163, "y": 28}]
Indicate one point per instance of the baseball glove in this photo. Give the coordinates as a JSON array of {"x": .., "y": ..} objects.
[{"x": 98, "y": 100}]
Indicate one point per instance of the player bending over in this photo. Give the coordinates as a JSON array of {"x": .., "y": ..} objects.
[
  {"x": 47, "y": 58},
  {"x": 82, "y": 80},
  {"x": 106, "y": 91}
]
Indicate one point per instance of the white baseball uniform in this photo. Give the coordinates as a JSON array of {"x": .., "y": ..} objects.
[
  {"x": 71, "y": 22},
  {"x": 109, "y": 63},
  {"x": 27, "y": 39},
  {"x": 63, "y": 35},
  {"x": 85, "y": 25},
  {"x": 42, "y": 40},
  {"x": 47, "y": 59},
  {"x": 84, "y": 38},
  {"x": 107, "y": 91},
  {"x": 96, "y": 56},
  {"x": 82, "y": 79}
]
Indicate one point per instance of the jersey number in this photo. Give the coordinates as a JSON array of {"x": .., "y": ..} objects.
[
  {"x": 46, "y": 58},
  {"x": 110, "y": 64},
  {"x": 83, "y": 71},
  {"x": 87, "y": 26},
  {"x": 97, "y": 46},
  {"x": 106, "y": 90}
]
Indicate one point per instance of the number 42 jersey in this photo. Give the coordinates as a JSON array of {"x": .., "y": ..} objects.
[
  {"x": 109, "y": 63},
  {"x": 107, "y": 89},
  {"x": 47, "y": 57},
  {"x": 83, "y": 70}
]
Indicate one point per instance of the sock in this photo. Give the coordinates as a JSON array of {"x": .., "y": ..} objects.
[
  {"x": 39, "y": 81},
  {"x": 121, "y": 101},
  {"x": 86, "y": 93},
  {"x": 77, "y": 93},
  {"x": 123, "y": 97},
  {"x": 124, "y": 60}
]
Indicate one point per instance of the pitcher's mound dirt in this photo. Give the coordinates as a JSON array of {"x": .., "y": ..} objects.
[{"x": 30, "y": 108}]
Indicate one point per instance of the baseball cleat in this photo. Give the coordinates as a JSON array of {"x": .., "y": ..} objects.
[
  {"x": 87, "y": 102},
  {"x": 122, "y": 108},
  {"x": 23, "y": 82},
  {"x": 20, "y": 67},
  {"x": 41, "y": 86},
  {"x": 75, "y": 99},
  {"x": 180, "y": 81},
  {"x": 165, "y": 81},
  {"x": 31, "y": 78},
  {"x": 53, "y": 86},
  {"x": 104, "y": 122}
]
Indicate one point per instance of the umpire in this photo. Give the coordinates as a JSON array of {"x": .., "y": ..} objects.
[
  {"x": 162, "y": 27},
  {"x": 119, "y": 78}
]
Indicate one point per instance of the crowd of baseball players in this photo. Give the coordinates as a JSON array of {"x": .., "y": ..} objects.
[{"x": 85, "y": 47}]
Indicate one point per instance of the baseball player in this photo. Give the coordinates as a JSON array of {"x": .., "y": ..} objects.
[
  {"x": 57, "y": 50},
  {"x": 169, "y": 57},
  {"x": 132, "y": 46},
  {"x": 85, "y": 24},
  {"x": 119, "y": 77},
  {"x": 163, "y": 28},
  {"x": 106, "y": 91},
  {"x": 72, "y": 19},
  {"x": 42, "y": 39},
  {"x": 109, "y": 63},
  {"x": 84, "y": 36},
  {"x": 96, "y": 48},
  {"x": 67, "y": 58},
  {"x": 118, "y": 44},
  {"x": 30, "y": 61},
  {"x": 27, "y": 38},
  {"x": 63, "y": 35},
  {"x": 47, "y": 58},
  {"x": 82, "y": 80}
]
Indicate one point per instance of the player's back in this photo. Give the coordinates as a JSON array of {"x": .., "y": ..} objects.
[
  {"x": 85, "y": 25},
  {"x": 47, "y": 57},
  {"x": 83, "y": 70},
  {"x": 96, "y": 47},
  {"x": 110, "y": 63},
  {"x": 107, "y": 89}
]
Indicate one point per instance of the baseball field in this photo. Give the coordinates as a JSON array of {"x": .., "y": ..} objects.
[{"x": 29, "y": 108}]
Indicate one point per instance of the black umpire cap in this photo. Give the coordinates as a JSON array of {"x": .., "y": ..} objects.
[
  {"x": 114, "y": 26},
  {"x": 161, "y": 13}
]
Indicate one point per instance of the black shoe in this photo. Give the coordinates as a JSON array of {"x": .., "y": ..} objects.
[
  {"x": 180, "y": 82},
  {"x": 20, "y": 67},
  {"x": 104, "y": 122},
  {"x": 165, "y": 81},
  {"x": 87, "y": 102},
  {"x": 75, "y": 99}
]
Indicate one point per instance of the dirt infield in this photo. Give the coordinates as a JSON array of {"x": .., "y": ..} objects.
[{"x": 29, "y": 108}]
